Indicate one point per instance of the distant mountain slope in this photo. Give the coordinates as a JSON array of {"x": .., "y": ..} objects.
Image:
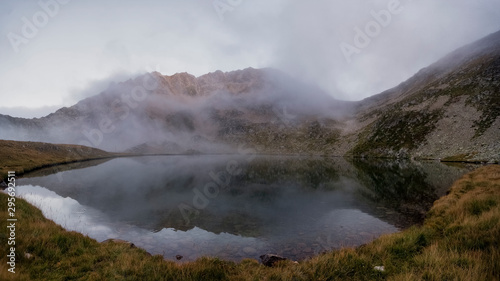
[{"x": 449, "y": 110}]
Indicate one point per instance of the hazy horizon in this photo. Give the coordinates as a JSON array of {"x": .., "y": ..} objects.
[{"x": 57, "y": 52}]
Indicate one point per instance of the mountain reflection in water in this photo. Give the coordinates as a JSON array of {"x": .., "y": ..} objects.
[{"x": 238, "y": 207}]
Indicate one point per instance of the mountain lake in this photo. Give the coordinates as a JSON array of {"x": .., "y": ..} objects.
[{"x": 239, "y": 206}]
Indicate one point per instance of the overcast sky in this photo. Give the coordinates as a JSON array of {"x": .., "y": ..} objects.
[{"x": 54, "y": 54}]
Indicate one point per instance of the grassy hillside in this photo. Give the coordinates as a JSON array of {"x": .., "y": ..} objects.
[
  {"x": 23, "y": 157},
  {"x": 459, "y": 240}
]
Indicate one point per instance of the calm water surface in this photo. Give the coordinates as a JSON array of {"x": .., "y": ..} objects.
[{"x": 236, "y": 207}]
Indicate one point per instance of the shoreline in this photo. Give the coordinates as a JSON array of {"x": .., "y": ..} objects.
[
  {"x": 391, "y": 251},
  {"x": 113, "y": 155}
]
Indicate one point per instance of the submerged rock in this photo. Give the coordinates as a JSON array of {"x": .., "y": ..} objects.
[
  {"x": 249, "y": 250},
  {"x": 270, "y": 259},
  {"x": 119, "y": 241}
]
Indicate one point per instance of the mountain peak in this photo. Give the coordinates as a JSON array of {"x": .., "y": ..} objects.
[
  {"x": 448, "y": 110},
  {"x": 233, "y": 82}
]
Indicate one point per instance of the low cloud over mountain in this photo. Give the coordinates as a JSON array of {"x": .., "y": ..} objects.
[{"x": 449, "y": 109}]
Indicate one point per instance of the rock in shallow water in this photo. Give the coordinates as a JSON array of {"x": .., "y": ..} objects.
[
  {"x": 119, "y": 241},
  {"x": 270, "y": 259}
]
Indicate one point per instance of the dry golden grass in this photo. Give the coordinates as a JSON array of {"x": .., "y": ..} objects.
[
  {"x": 23, "y": 157},
  {"x": 458, "y": 241}
]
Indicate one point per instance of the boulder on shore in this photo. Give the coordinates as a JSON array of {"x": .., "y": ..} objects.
[{"x": 270, "y": 259}]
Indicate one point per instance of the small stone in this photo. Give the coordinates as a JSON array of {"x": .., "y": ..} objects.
[
  {"x": 28, "y": 255},
  {"x": 379, "y": 268}
]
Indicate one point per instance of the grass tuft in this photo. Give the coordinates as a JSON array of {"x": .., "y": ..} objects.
[{"x": 477, "y": 207}]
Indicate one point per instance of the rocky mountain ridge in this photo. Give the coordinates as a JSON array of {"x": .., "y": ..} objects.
[{"x": 449, "y": 110}]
